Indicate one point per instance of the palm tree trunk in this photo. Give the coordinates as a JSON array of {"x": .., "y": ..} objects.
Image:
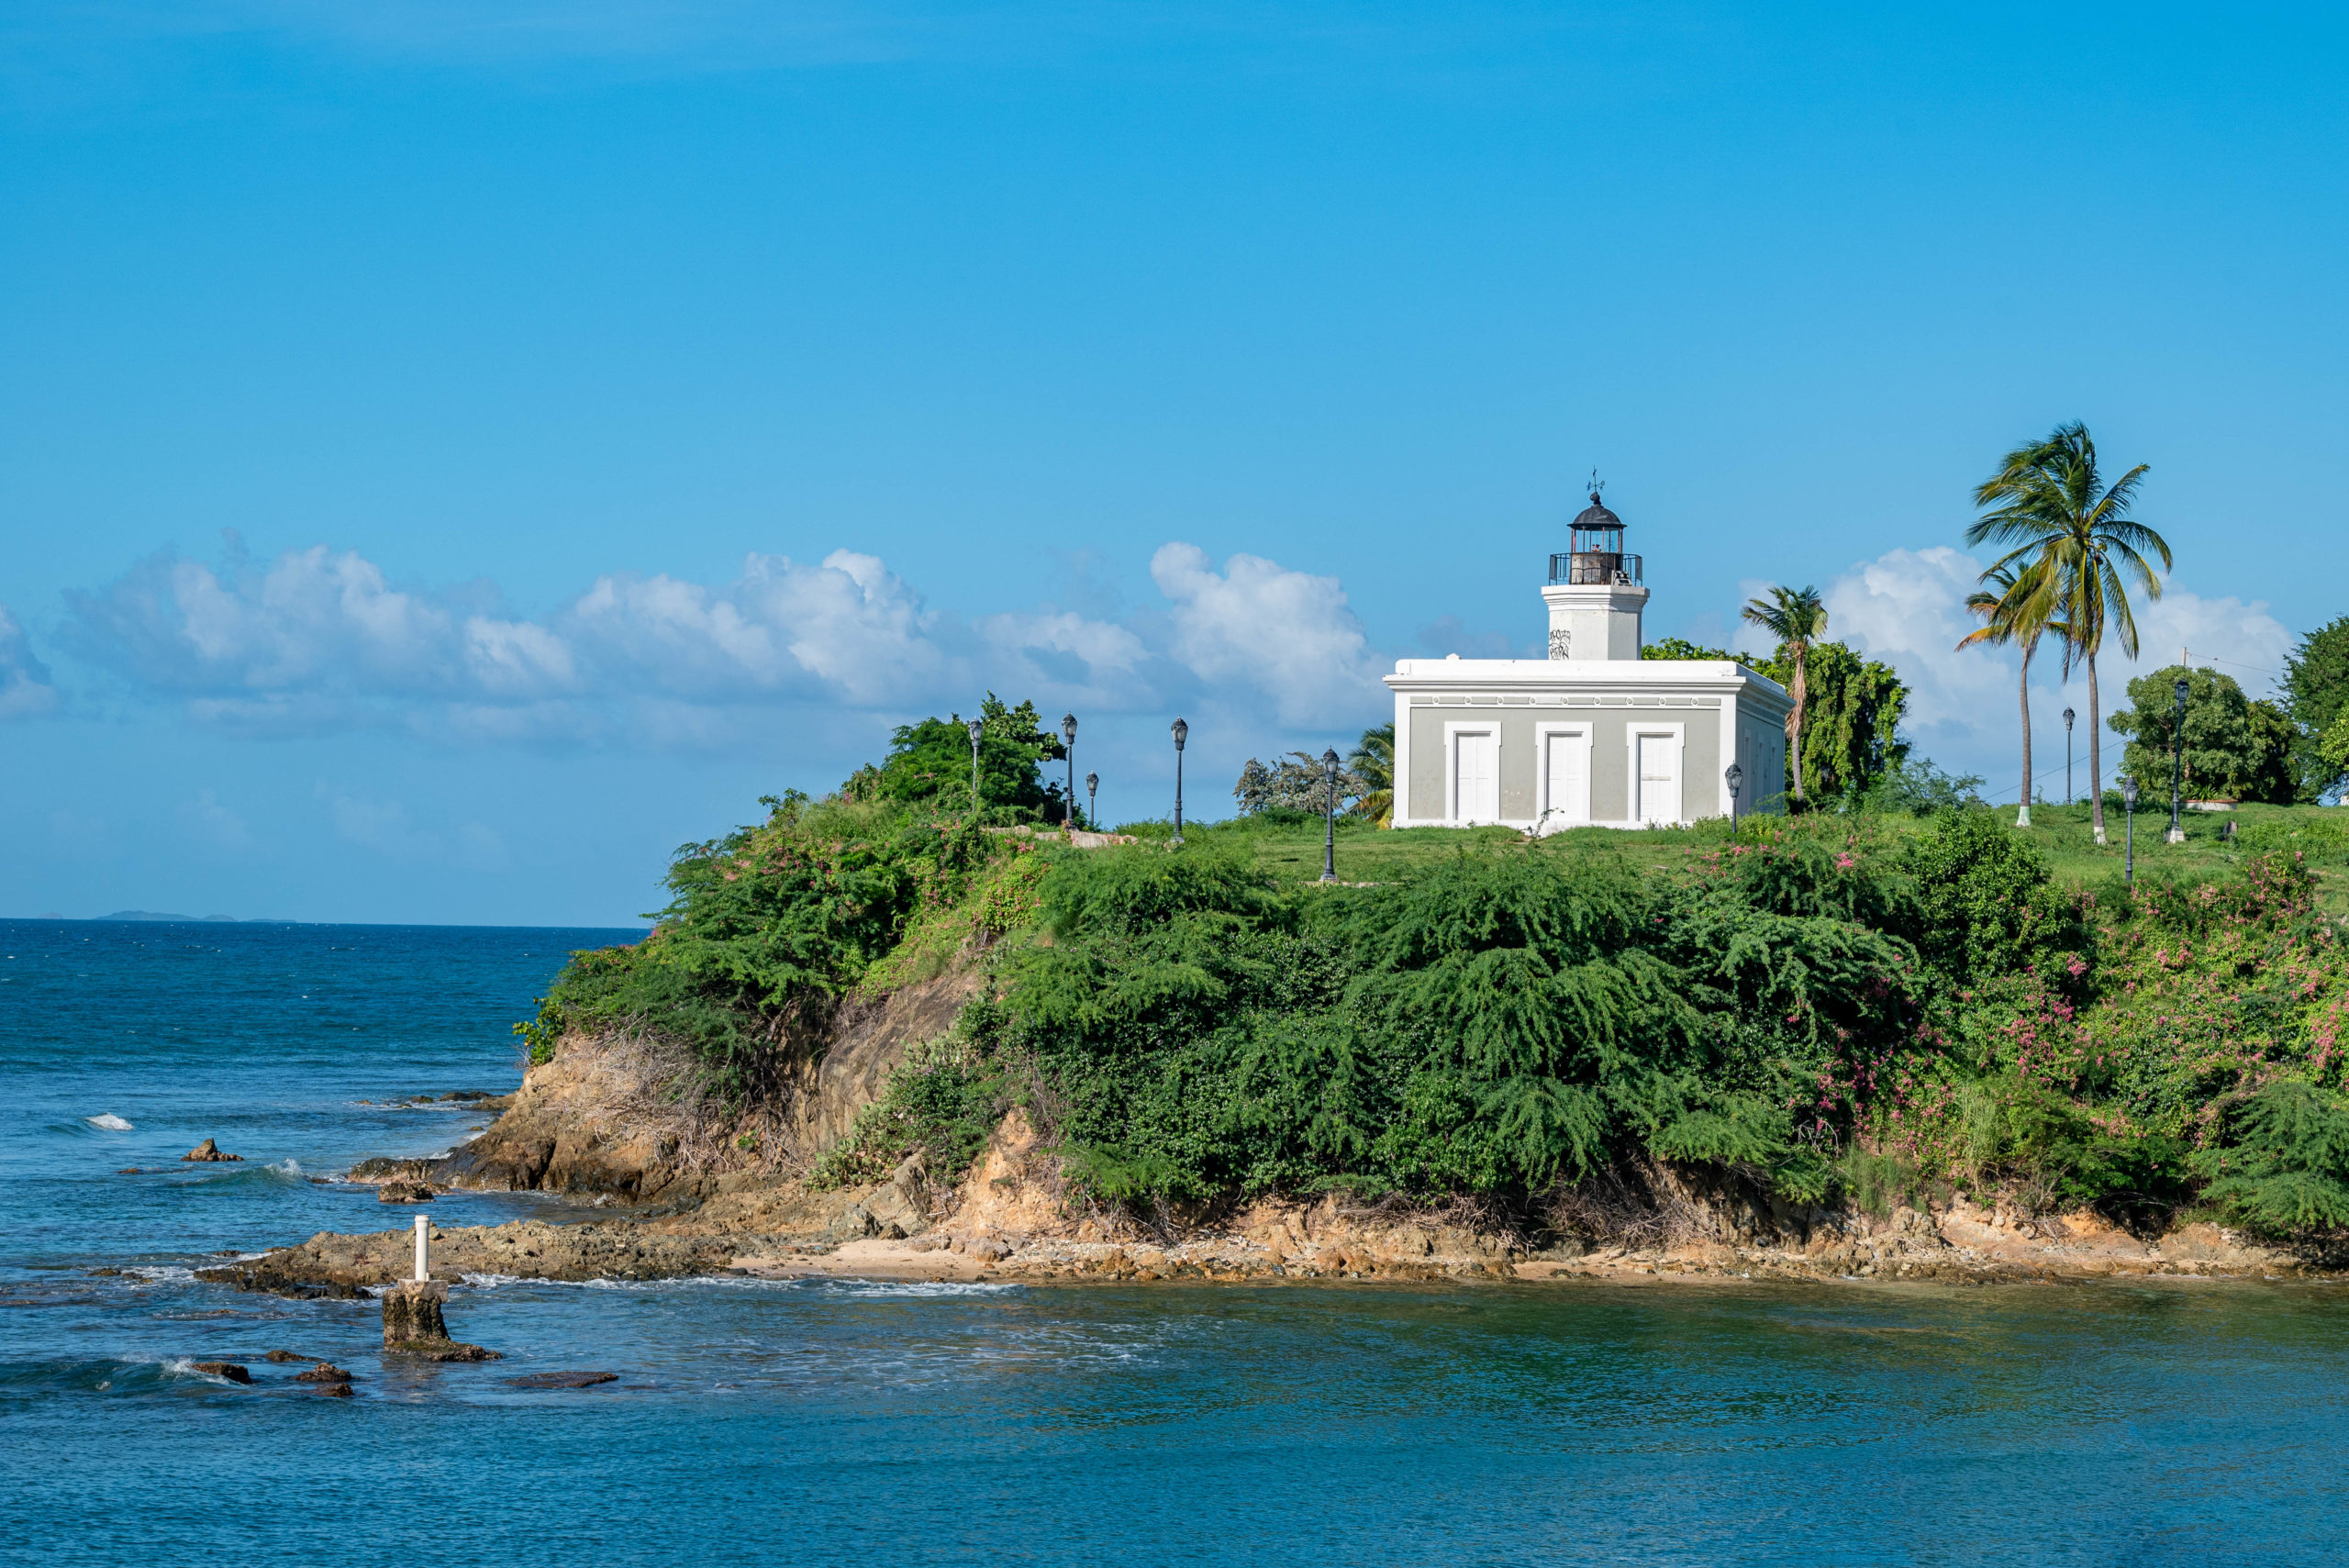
[
  {"x": 2023, "y": 817},
  {"x": 2095, "y": 756},
  {"x": 1794, "y": 720}
]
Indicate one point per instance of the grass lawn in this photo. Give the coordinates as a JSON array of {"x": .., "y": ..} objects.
[{"x": 1293, "y": 853}]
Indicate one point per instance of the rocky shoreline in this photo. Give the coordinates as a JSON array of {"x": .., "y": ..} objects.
[{"x": 689, "y": 1190}]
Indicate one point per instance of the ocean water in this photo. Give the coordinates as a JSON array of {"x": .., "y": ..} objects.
[{"x": 935, "y": 1424}]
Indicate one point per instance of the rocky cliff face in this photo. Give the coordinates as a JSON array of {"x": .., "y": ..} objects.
[{"x": 621, "y": 1117}]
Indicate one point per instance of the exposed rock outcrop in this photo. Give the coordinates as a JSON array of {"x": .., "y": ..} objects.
[
  {"x": 336, "y": 1263},
  {"x": 621, "y": 1117},
  {"x": 412, "y": 1311},
  {"x": 869, "y": 1040},
  {"x": 413, "y": 1325},
  {"x": 209, "y": 1152}
]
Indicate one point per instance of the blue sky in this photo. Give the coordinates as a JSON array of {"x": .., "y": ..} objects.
[{"x": 453, "y": 453}]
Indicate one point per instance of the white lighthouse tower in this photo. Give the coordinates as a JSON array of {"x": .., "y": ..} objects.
[
  {"x": 1595, "y": 594},
  {"x": 1594, "y": 736}
]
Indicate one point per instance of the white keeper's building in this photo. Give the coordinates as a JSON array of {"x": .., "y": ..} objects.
[{"x": 1594, "y": 735}]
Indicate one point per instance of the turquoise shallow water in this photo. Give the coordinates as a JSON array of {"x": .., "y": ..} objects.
[{"x": 825, "y": 1422}]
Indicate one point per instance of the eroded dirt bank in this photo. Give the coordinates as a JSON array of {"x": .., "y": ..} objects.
[{"x": 691, "y": 1190}]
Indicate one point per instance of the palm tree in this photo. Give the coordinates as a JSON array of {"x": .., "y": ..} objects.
[
  {"x": 2049, "y": 502},
  {"x": 1374, "y": 763},
  {"x": 1796, "y": 618},
  {"x": 2019, "y": 611}
]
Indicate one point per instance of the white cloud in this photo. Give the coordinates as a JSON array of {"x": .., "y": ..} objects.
[
  {"x": 24, "y": 688},
  {"x": 318, "y": 640},
  {"x": 311, "y": 623},
  {"x": 1287, "y": 635},
  {"x": 1908, "y": 608}
]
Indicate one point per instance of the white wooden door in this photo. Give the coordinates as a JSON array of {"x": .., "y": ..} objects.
[
  {"x": 1659, "y": 778},
  {"x": 1476, "y": 787},
  {"x": 1568, "y": 801}
]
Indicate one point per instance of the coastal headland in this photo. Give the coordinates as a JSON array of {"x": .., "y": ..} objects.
[
  {"x": 597, "y": 1121},
  {"x": 919, "y": 1029}
]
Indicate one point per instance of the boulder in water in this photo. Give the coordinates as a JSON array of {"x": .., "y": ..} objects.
[
  {"x": 403, "y": 1192},
  {"x": 208, "y": 1150},
  {"x": 228, "y": 1370},
  {"x": 325, "y": 1371},
  {"x": 562, "y": 1379},
  {"x": 334, "y": 1390}
]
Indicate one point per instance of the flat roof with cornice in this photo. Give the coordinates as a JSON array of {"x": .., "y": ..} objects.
[{"x": 1593, "y": 675}]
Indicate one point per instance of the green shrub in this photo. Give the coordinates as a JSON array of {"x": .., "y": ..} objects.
[{"x": 2283, "y": 1167}]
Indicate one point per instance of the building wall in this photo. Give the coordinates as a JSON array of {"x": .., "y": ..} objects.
[
  {"x": 1762, "y": 752},
  {"x": 1612, "y": 722}
]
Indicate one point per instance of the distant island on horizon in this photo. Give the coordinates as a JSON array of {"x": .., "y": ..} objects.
[{"x": 183, "y": 919}]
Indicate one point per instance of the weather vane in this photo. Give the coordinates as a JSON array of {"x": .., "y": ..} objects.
[{"x": 1597, "y": 484}]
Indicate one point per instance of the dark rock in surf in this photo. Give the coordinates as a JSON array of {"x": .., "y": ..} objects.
[
  {"x": 562, "y": 1379},
  {"x": 412, "y": 1311},
  {"x": 325, "y": 1371},
  {"x": 404, "y": 1192},
  {"x": 228, "y": 1370},
  {"x": 413, "y": 1325},
  {"x": 207, "y": 1152},
  {"x": 334, "y": 1390}
]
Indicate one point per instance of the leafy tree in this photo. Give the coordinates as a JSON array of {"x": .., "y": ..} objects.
[
  {"x": 2332, "y": 753},
  {"x": 1294, "y": 783},
  {"x": 2049, "y": 502},
  {"x": 1681, "y": 648},
  {"x": 1796, "y": 618},
  {"x": 2234, "y": 749},
  {"x": 1918, "y": 786},
  {"x": 1851, "y": 733},
  {"x": 1372, "y": 763},
  {"x": 2016, "y": 607},
  {"x": 930, "y": 764},
  {"x": 2316, "y": 696}
]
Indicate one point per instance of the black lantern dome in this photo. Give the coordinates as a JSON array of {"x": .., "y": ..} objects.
[
  {"x": 1595, "y": 548},
  {"x": 1595, "y": 515}
]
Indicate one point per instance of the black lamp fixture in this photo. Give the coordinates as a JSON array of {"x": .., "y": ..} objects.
[
  {"x": 975, "y": 727},
  {"x": 2067, "y": 756},
  {"x": 2129, "y": 804},
  {"x": 1733, "y": 776},
  {"x": 2178, "y": 763},
  {"x": 1182, "y": 732},
  {"x": 1092, "y": 790},
  {"x": 1330, "y": 809},
  {"x": 1068, "y": 750}
]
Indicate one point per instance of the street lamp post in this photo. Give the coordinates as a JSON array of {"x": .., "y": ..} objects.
[
  {"x": 1068, "y": 750},
  {"x": 1092, "y": 790},
  {"x": 1181, "y": 733},
  {"x": 2178, "y": 763},
  {"x": 2067, "y": 757},
  {"x": 975, "y": 727},
  {"x": 1329, "y": 810},
  {"x": 2129, "y": 804},
  {"x": 1734, "y": 776}
]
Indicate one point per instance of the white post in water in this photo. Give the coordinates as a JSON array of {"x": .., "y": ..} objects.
[{"x": 423, "y": 1243}]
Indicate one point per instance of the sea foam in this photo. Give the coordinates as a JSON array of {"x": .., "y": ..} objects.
[{"x": 108, "y": 1121}]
